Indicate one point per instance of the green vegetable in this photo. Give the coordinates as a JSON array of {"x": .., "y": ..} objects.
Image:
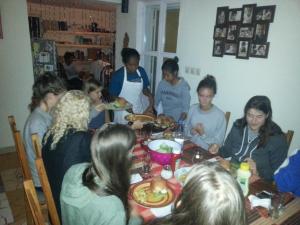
[{"x": 164, "y": 148}]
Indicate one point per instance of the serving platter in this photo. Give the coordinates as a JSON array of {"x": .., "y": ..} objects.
[
  {"x": 142, "y": 195},
  {"x": 115, "y": 107},
  {"x": 140, "y": 117}
]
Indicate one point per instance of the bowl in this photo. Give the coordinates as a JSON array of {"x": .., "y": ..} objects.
[{"x": 159, "y": 157}]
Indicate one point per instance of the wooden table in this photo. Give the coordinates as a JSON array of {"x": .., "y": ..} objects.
[{"x": 256, "y": 216}]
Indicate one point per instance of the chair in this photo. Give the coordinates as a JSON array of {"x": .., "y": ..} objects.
[
  {"x": 33, "y": 202},
  {"x": 47, "y": 191},
  {"x": 12, "y": 123},
  {"x": 289, "y": 137},
  {"x": 36, "y": 145},
  {"x": 227, "y": 117}
]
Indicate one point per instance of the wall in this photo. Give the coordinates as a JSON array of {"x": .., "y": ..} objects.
[
  {"x": 15, "y": 67},
  {"x": 238, "y": 80}
]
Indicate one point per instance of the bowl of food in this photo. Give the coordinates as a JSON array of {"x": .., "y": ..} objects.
[{"x": 161, "y": 150}]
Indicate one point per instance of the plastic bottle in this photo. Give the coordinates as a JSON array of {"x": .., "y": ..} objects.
[{"x": 243, "y": 175}]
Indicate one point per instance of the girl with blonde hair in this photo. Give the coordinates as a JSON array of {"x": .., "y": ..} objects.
[
  {"x": 67, "y": 141},
  {"x": 210, "y": 196}
]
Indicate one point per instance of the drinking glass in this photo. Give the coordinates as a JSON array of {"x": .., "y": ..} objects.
[
  {"x": 277, "y": 207},
  {"x": 197, "y": 157},
  {"x": 146, "y": 168}
]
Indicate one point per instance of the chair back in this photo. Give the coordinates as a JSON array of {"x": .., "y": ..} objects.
[
  {"x": 227, "y": 117},
  {"x": 22, "y": 155},
  {"x": 47, "y": 191},
  {"x": 36, "y": 143},
  {"x": 12, "y": 123},
  {"x": 289, "y": 136},
  {"x": 33, "y": 202}
]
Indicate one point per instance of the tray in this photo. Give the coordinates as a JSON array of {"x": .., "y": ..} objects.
[
  {"x": 140, "y": 117},
  {"x": 114, "y": 107}
]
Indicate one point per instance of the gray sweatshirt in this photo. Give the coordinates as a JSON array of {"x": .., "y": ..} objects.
[
  {"x": 214, "y": 125},
  {"x": 175, "y": 99}
]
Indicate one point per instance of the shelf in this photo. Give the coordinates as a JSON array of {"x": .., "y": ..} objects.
[
  {"x": 78, "y": 33},
  {"x": 82, "y": 46}
]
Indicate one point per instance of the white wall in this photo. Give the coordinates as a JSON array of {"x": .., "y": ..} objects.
[
  {"x": 238, "y": 80},
  {"x": 15, "y": 67}
]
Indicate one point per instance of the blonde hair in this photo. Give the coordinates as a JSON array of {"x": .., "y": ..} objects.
[{"x": 70, "y": 112}]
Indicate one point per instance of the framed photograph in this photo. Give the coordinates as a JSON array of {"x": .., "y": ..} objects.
[
  {"x": 246, "y": 32},
  {"x": 235, "y": 15},
  {"x": 218, "y": 49},
  {"x": 220, "y": 32},
  {"x": 222, "y": 15},
  {"x": 243, "y": 50},
  {"x": 259, "y": 50},
  {"x": 248, "y": 13},
  {"x": 232, "y": 32},
  {"x": 265, "y": 13},
  {"x": 230, "y": 48},
  {"x": 261, "y": 33}
]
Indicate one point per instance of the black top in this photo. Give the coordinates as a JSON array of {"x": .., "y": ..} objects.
[{"x": 72, "y": 148}]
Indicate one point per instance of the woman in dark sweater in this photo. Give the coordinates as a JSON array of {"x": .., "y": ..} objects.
[
  {"x": 255, "y": 138},
  {"x": 67, "y": 141}
]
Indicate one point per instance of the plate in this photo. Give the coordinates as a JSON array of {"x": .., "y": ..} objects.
[
  {"x": 181, "y": 174},
  {"x": 113, "y": 106},
  {"x": 142, "y": 195},
  {"x": 140, "y": 117}
]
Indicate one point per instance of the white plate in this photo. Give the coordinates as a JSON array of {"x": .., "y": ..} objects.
[{"x": 181, "y": 173}]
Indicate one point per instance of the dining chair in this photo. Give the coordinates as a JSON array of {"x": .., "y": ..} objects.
[
  {"x": 227, "y": 117},
  {"x": 12, "y": 123},
  {"x": 36, "y": 143},
  {"x": 289, "y": 137},
  {"x": 47, "y": 191},
  {"x": 33, "y": 202}
]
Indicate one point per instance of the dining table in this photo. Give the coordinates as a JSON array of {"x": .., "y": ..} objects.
[{"x": 256, "y": 215}]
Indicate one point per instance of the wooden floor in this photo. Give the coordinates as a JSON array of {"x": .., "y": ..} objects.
[{"x": 15, "y": 197}]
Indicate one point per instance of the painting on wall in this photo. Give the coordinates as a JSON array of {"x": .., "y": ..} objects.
[
  {"x": 243, "y": 32},
  {"x": 1, "y": 33}
]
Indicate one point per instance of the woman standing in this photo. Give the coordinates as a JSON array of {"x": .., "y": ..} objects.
[
  {"x": 67, "y": 142},
  {"x": 206, "y": 123},
  {"x": 97, "y": 192},
  {"x": 257, "y": 139},
  {"x": 173, "y": 92},
  {"x": 131, "y": 83}
]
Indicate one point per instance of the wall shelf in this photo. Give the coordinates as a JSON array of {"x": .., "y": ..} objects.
[
  {"x": 53, "y": 32},
  {"x": 66, "y": 45}
]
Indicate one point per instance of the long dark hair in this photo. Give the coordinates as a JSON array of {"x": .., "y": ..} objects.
[
  {"x": 43, "y": 85},
  {"x": 171, "y": 65},
  {"x": 128, "y": 53},
  {"x": 208, "y": 81},
  {"x": 111, "y": 162},
  {"x": 261, "y": 103},
  {"x": 210, "y": 196}
]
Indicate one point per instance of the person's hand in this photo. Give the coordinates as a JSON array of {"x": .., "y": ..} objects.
[
  {"x": 252, "y": 165},
  {"x": 199, "y": 128},
  {"x": 137, "y": 125},
  {"x": 214, "y": 148}
]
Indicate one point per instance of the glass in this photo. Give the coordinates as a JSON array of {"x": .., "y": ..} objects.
[
  {"x": 277, "y": 205},
  {"x": 152, "y": 21},
  {"x": 171, "y": 28},
  {"x": 146, "y": 168}
]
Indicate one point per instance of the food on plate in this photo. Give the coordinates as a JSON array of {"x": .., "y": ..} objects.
[
  {"x": 120, "y": 102},
  {"x": 156, "y": 192},
  {"x": 168, "y": 134},
  {"x": 140, "y": 117},
  {"x": 182, "y": 177},
  {"x": 164, "y": 148},
  {"x": 181, "y": 174},
  {"x": 164, "y": 121},
  {"x": 158, "y": 186}
]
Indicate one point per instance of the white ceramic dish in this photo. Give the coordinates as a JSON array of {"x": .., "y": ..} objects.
[{"x": 181, "y": 174}]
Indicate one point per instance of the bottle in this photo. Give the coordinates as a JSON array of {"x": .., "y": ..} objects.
[
  {"x": 176, "y": 158},
  {"x": 243, "y": 175}
]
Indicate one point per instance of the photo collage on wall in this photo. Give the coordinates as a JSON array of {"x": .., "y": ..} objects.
[{"x": 243, "y": 32}]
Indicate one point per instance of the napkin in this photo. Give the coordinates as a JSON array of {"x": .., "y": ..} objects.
[
  {"x": 135, "y": 178},
  {"x": 255, "y": 201},
  {"x": 161, "y": 212}
]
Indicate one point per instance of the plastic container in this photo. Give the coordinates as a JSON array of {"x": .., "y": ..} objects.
[{"x": 243, "y": 175}]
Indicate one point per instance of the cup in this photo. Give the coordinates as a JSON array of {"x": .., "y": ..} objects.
[
  {"x": 277, "y": 207},
  {"x": 146, "y": 168}
]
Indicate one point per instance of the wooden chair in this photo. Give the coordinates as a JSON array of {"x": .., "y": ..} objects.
[
  {"x": 12, "y": 123},
  {"x": 47, "y": 191},
  {"x": 33, "y": 202},
  {"x": 36, "y": 145},
  {"x": 289, "y": 137},
  {"x": 227, "y": 117}
]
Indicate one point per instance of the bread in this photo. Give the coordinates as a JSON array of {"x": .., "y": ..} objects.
[
  {"x": 158, "y": 186},
  {"x": 121, "y": 102}
]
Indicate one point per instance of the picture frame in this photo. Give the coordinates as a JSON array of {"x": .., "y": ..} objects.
[
  {"x": 235, "y": 15},
  {"x": 259, "y": 50},
  {"x": 218, "y": 48},
  {"x": 248, "y": 13},
  {"x": 230, "y": 48},
  {"x": 232, "y": 32},
  {"x": 220, "y": 32},
  {"x": 243, "y": 49},
  {"x": 222, "y": 15},
  {"x": 261, "y": 33},
  {"x": 265, "y": 13},
  {"x": 246, "y": 32}
]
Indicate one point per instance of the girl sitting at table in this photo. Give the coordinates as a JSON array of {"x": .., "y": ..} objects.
[
  {"x": 97, "y": 192},
  {"x": 210, "y": 196},
  {"x": 173, "y": 92},
  {"x": 205, "y": 122},
  {"x": 67, "y": 141},
  {"x": 255, "y": 138},
  {"x": 98, "y": 114}
]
